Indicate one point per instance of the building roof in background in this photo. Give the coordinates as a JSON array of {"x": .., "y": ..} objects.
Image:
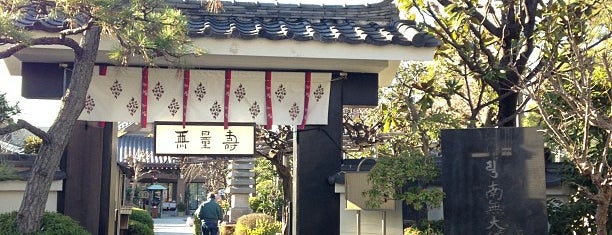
[
  {"x": 23, "y": 163},
  {"x": 374, "y": 24},
  {"x": 13, "y": 142},
  {"x": 143, "y": 145}
]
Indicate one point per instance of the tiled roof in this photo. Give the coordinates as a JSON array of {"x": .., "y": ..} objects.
[
  {"x": 142, "y": 145},
  {"x": 374, "y": 24},
  {"x": 13, "y": 142},
  {"x": 23, "y": 163}
]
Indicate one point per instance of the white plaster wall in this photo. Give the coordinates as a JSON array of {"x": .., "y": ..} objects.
[
  {"x": 371, "y": 221},
  {"x": 435, "y": 213},
  {"x": 11, "y": 193}
]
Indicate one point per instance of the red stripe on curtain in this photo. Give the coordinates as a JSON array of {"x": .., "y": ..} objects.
[
  {"x": 307, "y": 84},
  {"x": 186, "y": 77},
  {"x": 269, "y": 100},
  {"x": 145, "y": 94},
  {"x": 102, "y": 70},
  {"x": 228, "y": 86}
]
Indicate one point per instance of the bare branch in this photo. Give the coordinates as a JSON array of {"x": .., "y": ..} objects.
[
  {"x": 536, "y": 69},
  {"x": 602, "y": 39},
  {"x": 21, "y": 124},
  {"x": 606, "y": 148},
  {"x": 492, "y": 28},
  {"x": 481, "y": 44},
  {"x": 446, "y": 37},
  {"x": 469, "y": 92},
  {"x": 607, "y": 66},
  {"x": 527, "y": 21}
]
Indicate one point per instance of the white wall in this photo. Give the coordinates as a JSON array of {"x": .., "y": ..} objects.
[
  {"x": 435, "y": 213},
  {"x": 371, "y": 221},
  {"x": 11, "y": 193}
]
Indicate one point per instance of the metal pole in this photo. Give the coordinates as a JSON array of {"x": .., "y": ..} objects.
[
  {"x": 358, "y": 222},
  {"x": 384, "y": 222}
]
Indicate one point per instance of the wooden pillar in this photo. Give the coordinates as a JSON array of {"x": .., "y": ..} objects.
[
  {"x": 87, "y": 162},
  {"x": 108, "y": 161},
  {"x": 316, "y": 207}
]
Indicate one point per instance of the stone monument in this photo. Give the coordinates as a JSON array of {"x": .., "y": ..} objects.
[
  {"x": 494, "y": 181},
  {"x": 241, "y": 181}
]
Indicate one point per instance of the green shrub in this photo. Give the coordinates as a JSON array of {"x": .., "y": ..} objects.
[
  {"x": 7, "y": 223},
  {"x": 269, "y": 199},
  {"x": 52, "y": 224},
  {"x": 142, "y": 216},
  {"x": 181, "y": 207},
  {"x": 55, "y": 223},
  {"x": 32, "y": 144},
  {"x": 412, "y": 231},
  {"x": 227, "y": 230},
  {"x": 257, "y": 224},
  {"x": 197, "y": 224},
  {"x": 426, "y": 228},
  {"x": 138, "y": 228}
]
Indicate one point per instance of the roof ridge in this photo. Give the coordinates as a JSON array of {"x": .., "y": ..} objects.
[
  {"x": 374, "y": 24},
  {"x": 383, "y": 11}
]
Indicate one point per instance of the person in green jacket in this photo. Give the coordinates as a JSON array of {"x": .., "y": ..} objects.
[{"x": 210, "y": 214}]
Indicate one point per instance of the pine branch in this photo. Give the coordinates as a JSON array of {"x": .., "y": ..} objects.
[
  {"x": 74, "y": 31},
  {"x": 74, "y": 45},
  {"x": 21, "y": 124}
]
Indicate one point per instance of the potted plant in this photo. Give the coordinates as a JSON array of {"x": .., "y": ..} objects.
[{"x": 180, "y": 208}]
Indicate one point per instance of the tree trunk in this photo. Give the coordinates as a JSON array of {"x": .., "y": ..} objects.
[
  {"x": 506, "y": 116},
  {"x": 508, "y": 100},
  {"x": 131, "y": 199},
  {"x": 286, "y": 217},
  {"x": 601, "y": 218},
  {"x": 287, "y": 183},
  {"x": 135, "y": 186},
  {"x": 284, "y": 173},
  {"x": 29, "y": 217},
  {"x": 603, "y": 198}
]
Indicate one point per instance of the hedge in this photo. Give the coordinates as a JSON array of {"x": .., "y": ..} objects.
[{"x": 52, "y": 224}]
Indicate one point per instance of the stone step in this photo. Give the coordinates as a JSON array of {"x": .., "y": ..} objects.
[
  {"x": 249, "y": 160},
  {"x": 241, "y": 166}
]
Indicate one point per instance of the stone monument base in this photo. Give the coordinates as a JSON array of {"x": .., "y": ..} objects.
[{"x": 236, "y": 212}]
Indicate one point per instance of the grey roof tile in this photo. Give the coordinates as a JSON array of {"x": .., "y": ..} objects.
[
  {"x": 135, "y": 144},
  {"x": 23, "y": 164},
  {"x": 374, "y": 24}
]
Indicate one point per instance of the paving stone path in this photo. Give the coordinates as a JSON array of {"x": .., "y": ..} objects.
[{"x": 172, "y": 226}]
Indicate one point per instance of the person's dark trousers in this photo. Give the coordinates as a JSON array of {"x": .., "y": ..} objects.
[{"x": 210, "y": 227}]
